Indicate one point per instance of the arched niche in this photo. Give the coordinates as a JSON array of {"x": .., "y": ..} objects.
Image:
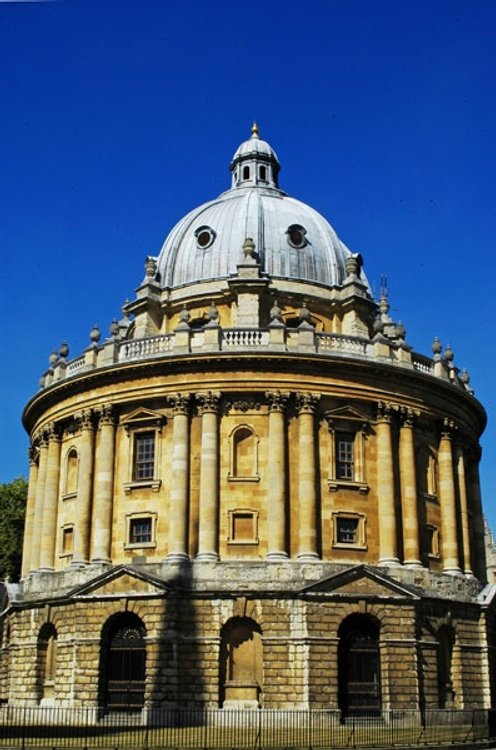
[
  {"x": 243, "y": 450},
  {"x": 122, "y": 672},
  {"x": 241, "y": 664},
  {"x": 71, "y": 472},
  {"x": 359, "y": 666},
  {"x": 46, "y": 663}
]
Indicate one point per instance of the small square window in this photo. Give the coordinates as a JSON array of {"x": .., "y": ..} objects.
[
  {"x": 243, "y": 526},
  {"x": 140, "y": 531},
  {"x": 347, "y": 530},
  {"x": 144, "y": 456}
]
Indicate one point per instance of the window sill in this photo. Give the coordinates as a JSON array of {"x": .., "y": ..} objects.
[
  {"x": 349, "y": 545},
  {"x": 347, "y": 484},
  {"x": 140, "y": 545},
  {"x": 231, "y": 478},
  {"x": 69, "y": 496},
  {"x": 141, "y": 484},
  {"x": 246, "y": 542}
]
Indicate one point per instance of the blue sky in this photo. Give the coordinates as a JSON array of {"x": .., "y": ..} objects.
[{"x": 119, "y": 116}]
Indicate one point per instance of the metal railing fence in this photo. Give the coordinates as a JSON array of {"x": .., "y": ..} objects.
[{"x": 52, "y": 728}]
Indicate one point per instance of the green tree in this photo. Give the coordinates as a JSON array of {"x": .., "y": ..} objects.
[{"x": 13, "y": 496}]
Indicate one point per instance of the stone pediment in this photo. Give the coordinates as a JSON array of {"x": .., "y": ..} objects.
[
  {"x": 122, "y": 582},
  {"x": 142, "y": 417},
  {"x": 362, "y": 581},
  {"x": 347, "y": 412}
]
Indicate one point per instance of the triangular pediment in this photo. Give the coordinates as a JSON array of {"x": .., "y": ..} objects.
[
  {"x": 142, "y": 417},
  {"x": 347, "y": 412},
  {"x": 362, "y": 581},
  {"x": 123, "y": 581}
]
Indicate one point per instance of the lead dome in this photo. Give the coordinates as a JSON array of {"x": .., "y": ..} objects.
[{"x": 292, "y": 240}]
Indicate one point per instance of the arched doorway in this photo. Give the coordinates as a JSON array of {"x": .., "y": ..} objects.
[
  {"x": 359, "y": 666},
  {"x": 241, "y": 663},
  {"x": 123, "y": 663}
]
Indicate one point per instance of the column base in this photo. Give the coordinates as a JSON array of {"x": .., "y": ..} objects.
[
  {"x": 45, "y": 569},
  {"x": 177, "y": 557},
  {"x": 415, "y": 564},
  {"x": 308, "y": 557},
  {"x": 454, "y": 571},
  {"x": 101, "y": 561},
  {"x": 207, "y": 557},
  {"x": 387, "y": 562},
  {"x": 276, "y": 556}
]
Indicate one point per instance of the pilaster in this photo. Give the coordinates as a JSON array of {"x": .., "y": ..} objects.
[
  {"x": 85, "y": 488},
  {"x": 277, "y": 479},
  {"x": 178, "y": 509},
  {"x": 388, "y": 545},
  {"x": 408, "y": 482},
  {"x": 447, "y": 500},
  {"x": 49, "y": 524},
  {"x": 104, "y": 479}
]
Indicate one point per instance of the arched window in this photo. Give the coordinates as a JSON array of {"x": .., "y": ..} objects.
[
  {"x": 244, "y": 457},
  {"x": 241, "y": 663},
  {"x": 71, "y": 472},
  {"x": 46, "y": 662},
  {"x": 123, "y": 663},
  {"x": 359, "y": 668},
  {"x": 445, "y": 643}
]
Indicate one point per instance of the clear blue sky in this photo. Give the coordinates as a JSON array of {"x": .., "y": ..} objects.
[{"x": 118, "y": 116}]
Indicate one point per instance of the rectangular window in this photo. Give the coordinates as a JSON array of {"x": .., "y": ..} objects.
[
  {"x": 345, "y": 455},
  {"x": 347, "y": 530},
  {"x": 144, "y": 456},
  {"x": 140, "y": 531}
]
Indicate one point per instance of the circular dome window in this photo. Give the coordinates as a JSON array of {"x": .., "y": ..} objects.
[
  {"x": 296, "y": 235},
  {"x": 204, "y": 237}
]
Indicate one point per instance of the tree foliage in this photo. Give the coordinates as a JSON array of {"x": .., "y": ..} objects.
[{"x": 13, "y": 496}]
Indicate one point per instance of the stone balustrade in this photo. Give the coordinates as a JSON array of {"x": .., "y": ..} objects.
[{"x": 261, "y": 340}]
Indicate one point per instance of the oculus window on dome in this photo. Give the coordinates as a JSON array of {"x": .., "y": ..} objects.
[
  {"x": 296, "y": 235},
  {"x": 205, "y": 237}
]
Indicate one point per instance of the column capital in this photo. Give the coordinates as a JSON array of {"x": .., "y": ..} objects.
[
  {"x": 448, "y": 428},
  {"x": 385, "y": 411},
  {"x": 306, "y": 403},
  {"x": 208, "y": 402},
  {"x": 180, "y": 403},
  {"x": 277, "y": 400},
  {"x": 33, "y": 452},
  {"x": 85, "y": 419},
  {"x": 53, "y": 432},
  {"x": 106, "y": 415},
  {"x": 408, "y": 416}
]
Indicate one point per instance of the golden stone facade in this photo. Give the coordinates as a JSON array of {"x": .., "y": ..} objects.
[{"x": 253, "y": 482}]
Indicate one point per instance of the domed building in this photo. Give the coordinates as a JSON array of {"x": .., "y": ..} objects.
[{"x": 254, "y": 493}]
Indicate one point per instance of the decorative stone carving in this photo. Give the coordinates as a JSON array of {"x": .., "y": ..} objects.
[
  {"x": 385, "y": 411},
  {"x": 242, "y": 405},
  {"x": 85, "y": 419}
]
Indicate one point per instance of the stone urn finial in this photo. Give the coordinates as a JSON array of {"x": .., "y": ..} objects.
[
  {"x": 53, "y": 358},
  {"x": 150, "y": 267},
  {"x": 64, "y": 350},
  {"x": 276, "y": 312},
  {"x": 95, "y": 335},
  {"x": 213, "y": 313},
  {"x": 449, "y": 354},
  {"x": 436, "y": 349},
  {"x": 351, "y": 266},
  {"x": 184, "y": 315},
  {"x": 248, "y": 249},
  {"x": 114, "y": 328}
]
